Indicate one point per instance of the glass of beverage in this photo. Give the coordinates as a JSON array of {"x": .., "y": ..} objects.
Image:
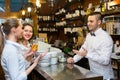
[{"x": 35, "y": 47}]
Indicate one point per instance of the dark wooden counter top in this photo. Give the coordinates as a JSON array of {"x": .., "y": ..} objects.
[{"x": 64, "y": 71}]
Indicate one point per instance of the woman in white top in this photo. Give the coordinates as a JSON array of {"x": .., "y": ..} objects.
[
  {"x": 24, "y": 41},
  {"x": 11, "y": 59}
]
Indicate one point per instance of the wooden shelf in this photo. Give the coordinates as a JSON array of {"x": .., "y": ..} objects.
[
  {"x": 111, "y": 12},
  {"x": 47, "y": 21}
]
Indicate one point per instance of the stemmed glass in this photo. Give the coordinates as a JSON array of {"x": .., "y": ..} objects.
[{"x": 34, "y": 45}]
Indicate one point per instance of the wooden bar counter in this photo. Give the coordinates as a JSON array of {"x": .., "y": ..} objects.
[{"x": 64, "y": 71}]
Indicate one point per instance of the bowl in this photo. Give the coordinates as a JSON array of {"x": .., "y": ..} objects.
[
  {"x": 62, "y": 60},
  {"x": 44, "y": 64}
]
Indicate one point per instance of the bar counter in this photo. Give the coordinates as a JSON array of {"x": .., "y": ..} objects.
[{"x": 64, "y": 71}]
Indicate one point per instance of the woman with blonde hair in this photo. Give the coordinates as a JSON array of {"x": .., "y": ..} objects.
[
  {"x": 1, "y": 40},
  {"x": 1, "y": 48}
]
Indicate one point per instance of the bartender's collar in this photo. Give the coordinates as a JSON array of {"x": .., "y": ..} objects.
[
  {"x": 92, "y": 34},
  {"x": 96, "y": 32}
]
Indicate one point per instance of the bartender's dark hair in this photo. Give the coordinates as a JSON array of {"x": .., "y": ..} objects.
[
  {"x": 98, "y": 14},
  {"x": 9, "y": 24}
]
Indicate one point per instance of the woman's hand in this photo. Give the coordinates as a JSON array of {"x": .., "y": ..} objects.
[
  {"x": 37, "y": 59},
  {"x": 35, "y": 62},
  {"x": 29, "y": 55}
]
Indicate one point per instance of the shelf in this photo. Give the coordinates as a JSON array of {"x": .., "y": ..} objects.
[
  {"x": 70, "y": 7},
  {"x": 47, "y": 30},
  {"x": 49, "y": 21},
  {"x": 73, "y": 2},
  {"x": 111, "y": 12},
  {"x": 115, "y": 35},
  {"x": 75, "y": 18},
  {"x": 70, "y": 15},
  {"x": 47, "y": 27},
  {"x": 59, "y": 27},
  {"x": 61, "y": 15}
]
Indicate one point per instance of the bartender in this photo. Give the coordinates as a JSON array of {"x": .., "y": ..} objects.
[{"x": 97, "y": 48}]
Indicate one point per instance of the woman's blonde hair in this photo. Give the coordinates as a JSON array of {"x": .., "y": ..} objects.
[
  {"x": 6, "y": 28},
  {"x": 1, "y": 41}
]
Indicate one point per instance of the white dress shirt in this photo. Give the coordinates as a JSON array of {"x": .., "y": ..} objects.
[
  {"x": 23, "y": 51},
  {"x": 13, "y": 62},
  {"x": 99, "y": 50}
]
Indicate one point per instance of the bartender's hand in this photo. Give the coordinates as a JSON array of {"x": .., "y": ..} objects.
[
  {"x": 70, "y": 60},
  {"x": 81, "y": 53}
]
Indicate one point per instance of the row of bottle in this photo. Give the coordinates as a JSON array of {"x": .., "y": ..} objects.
[
  {"x": 103, "y": 6},
  {"x": 46, "y": 18},
  {"x": 48, "y": 29},
  {"x": 112, "y": 24},
  {"x": 113, "y": 28}
]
